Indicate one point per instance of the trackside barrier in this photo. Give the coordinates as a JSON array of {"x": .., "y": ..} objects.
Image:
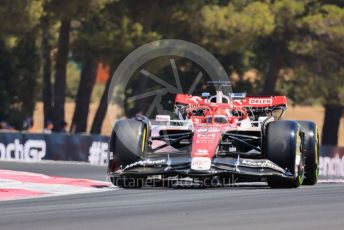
[
  {"x": 331, "y": 164},
  {"x": 29, "y": 147}
]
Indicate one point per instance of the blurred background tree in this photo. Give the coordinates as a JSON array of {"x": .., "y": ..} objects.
[
  {"x": 19, "y": 59},
  {"x": 51, "y": 50}
]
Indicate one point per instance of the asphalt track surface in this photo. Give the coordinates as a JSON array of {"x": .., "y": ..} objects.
[{"x": 255, "y": 207}]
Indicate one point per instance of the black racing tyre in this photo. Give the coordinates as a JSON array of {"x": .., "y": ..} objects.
[
  {"x": 127, "y": 145},
  {"x": 282, "y": 145},
  {"x": 311, "y": 151},
  {"x": 128, "y": 141}
]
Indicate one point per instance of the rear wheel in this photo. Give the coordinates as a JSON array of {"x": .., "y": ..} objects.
[
  {"x": 283, "y": 146},
  {"x": 311, "y": 151}
]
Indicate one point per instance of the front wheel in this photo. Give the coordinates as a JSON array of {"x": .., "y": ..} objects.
[
  {"x": 283, "y": 146},
  {"x": 128, "y": 141},
  {"x": 127, "y": 146}
]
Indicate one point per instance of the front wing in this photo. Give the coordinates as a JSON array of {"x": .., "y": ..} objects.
[{"x": 181, "y": 166}]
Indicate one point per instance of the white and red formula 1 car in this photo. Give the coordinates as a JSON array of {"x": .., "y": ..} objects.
[{"x": 214, "y": 140}]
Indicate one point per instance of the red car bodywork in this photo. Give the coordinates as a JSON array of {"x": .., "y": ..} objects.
[{"x": 208, "y": 132}]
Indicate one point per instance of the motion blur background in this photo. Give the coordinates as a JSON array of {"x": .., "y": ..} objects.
[{"x": 57, "y": 56}]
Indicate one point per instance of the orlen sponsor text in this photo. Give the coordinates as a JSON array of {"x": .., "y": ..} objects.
[{"x": 260, "y": 101}]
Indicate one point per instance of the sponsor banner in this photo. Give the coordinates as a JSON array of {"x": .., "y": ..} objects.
[
  {"x": 29, "y": 147},
  {"x": 331, "y": 163}
]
